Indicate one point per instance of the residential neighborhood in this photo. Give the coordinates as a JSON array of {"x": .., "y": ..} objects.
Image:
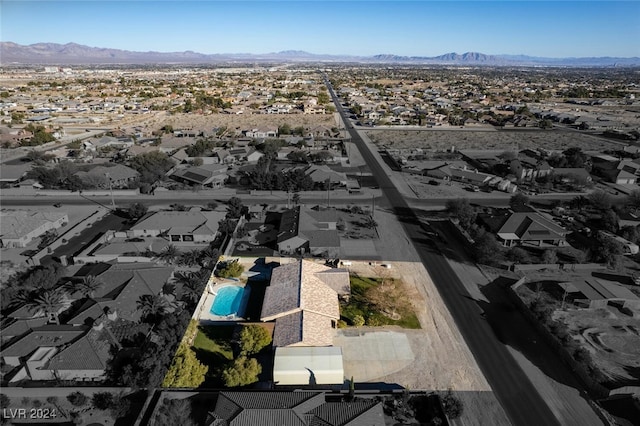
[{"x": 320, "y": 244}]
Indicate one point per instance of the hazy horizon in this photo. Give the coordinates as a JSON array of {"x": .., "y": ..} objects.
[{"x": 359, "y": 28}]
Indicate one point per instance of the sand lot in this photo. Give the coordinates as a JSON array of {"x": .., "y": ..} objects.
[
  {"x": 441, "y": 140},
  {"x": 240, "y": 121}
]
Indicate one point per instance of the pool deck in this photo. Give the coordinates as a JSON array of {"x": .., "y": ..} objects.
[{"x": 203, "y": 313}]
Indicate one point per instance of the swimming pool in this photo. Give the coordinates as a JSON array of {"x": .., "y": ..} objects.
[{"x": 228, "y": 301}]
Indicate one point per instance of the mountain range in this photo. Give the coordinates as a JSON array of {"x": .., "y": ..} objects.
[{"x": 76, "y": 54}]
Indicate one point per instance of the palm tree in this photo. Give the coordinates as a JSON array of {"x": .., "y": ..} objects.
[
  {"x": 87, "y": 287},
  {"x": 191, "y": 257},
  {"x": 369, "y": 222},
  {"x": 169, "y": 254},
  {"x": 191, "y": 285},
  {"x": 151, "y": 305},
  {"x": 50, "y": 302}
]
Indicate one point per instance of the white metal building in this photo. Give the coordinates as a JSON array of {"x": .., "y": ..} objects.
[{"x": 307, "y": 365}]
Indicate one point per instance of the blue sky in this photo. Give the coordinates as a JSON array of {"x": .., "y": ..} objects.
[{"x": 421, "y": 28}]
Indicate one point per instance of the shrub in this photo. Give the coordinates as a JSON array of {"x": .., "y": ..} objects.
[
  {"x": 233, "y": 269},
  {"x": 77, "y": 399},
  {"x": 453, "y": 407},
  {"x": 358, "y": 320},
  {"x": 102, "y": 400},
  {"x": 5, "y": 401}
]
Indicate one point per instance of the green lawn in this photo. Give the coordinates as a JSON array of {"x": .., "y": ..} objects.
[
  {"x": 368, "y": 301},
  {"x": 212, "y": 346}
]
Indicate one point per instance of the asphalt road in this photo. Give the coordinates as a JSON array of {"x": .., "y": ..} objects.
[{"x": 517, "y": 395}]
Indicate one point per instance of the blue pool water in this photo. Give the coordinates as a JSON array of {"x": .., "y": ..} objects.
[{"x": 227, "y": 301}]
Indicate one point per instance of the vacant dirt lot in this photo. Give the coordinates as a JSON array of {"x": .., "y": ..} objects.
[
  {"x": 240, "y": 121},
  {"x": 441, "y": 140}
]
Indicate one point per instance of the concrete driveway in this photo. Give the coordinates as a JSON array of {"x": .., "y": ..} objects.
[{"x": 370, "y": 355}]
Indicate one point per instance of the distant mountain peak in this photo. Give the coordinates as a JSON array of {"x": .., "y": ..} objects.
[{"x": 74, "y": 53}]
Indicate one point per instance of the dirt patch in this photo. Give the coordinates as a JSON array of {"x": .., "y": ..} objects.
[
  {"x": 240, "y": 121},
  {"x": 611, "y": 336},
  {"x": 441, "y": 140}
]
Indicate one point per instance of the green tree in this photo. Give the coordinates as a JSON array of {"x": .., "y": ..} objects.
[
  {"x": 600, "y": 200},
  {"x": 519, "y": 255},
  {"x": 185, "y": 370},
  {"x": 518, "y": 200},
  {"x": 487, "y": 249},
  {"x": 235, "y": 208},
  {"x": 152, "y": 166},
  {"x": 453, "y": 406},
  {"x": 102, "y": 400},
  {"x": 253, "y": 338},
  {"x": 296, "y": 198},
  {"x": 137, "y": 210},
  {"x": 77, "y": 399},
  {"x": 243, "y": 371},
  {"x": 285, "y": 129},
  {"x": 173, "y": 412},
  {"x": 358, "y": 320},
  {"x": 461, "y": 209}
]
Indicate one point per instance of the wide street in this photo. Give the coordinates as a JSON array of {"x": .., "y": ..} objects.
[{"x": 516, "y": 393}]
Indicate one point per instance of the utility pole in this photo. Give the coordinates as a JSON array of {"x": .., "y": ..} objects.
[
  {"x": 113, "y": 202},
  {"x": 373, "y": 205}
]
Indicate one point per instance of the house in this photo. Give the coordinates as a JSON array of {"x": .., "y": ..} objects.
[
  {"x": 296, "y": 408},
  {"x": 19, "y": 227},
  {"x": 322, "y": 174},
  {"x": 85, "y": 359},
  {"x": 527, "y": 226},
  {"x": 621, "y": 172},
  {"x": 253, "y": 156},
  {"x": 118, "y": 176},
  {"x": 304, "y": 230},
  {"x": 262, "y": 132},
  {"x": 595, "y": 293},
  {"x": 572, "y": 175},
  {"x": 191, "y": 226},
  {"x": 47, "y": 336},
  {"x": 122, "y": 286},
  {"x": 205, "y": 175},
  {"x": 469, "y": 176},
  {"x": 11, "y": 174},
  {"x": 528, "y": 168},
  {"x": 303, "y": 301}
]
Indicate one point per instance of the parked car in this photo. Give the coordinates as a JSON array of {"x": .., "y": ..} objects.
[
  {"x": 434, "y": 182},
  {"x": 57, "y": 205}
]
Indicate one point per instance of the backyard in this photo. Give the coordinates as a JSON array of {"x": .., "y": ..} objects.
[
  {"x": 212, "y": 346},
  {"x": 378, "y": 302}
]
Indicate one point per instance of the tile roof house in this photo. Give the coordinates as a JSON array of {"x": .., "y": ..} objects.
[
  {"x": 298, "y": 408},
  {"x": 19, "y": 227},
  {"x": 45, "y": 336},
  {"x": 123, "y": 284},
  {"x": 191, "y": 226},
  {"x": 205, "y": 175},
  {"x": 320, "y": 174},
  {"x": 119, "y": 175},
  {"x": 305, "y": 230},
  {"x": 303, "y": 300},
  {"x": 529, "y": 227}
]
